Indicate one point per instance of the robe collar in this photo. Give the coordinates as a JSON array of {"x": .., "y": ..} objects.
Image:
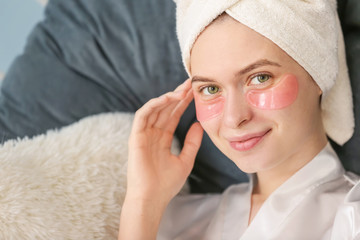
[{"x": 325, "y": 167}]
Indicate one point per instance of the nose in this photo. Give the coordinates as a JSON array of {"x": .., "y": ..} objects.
[{"x": 236, "y": 110}]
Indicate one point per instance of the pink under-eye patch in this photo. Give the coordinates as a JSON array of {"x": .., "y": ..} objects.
[
  {"x": 283, "y": 94},
  {"x": 279, "y": 96},
  {"x": 206, "y": 110}
]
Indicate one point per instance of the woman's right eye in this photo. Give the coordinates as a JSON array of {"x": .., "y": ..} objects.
[{"x": 210, "y": 90}]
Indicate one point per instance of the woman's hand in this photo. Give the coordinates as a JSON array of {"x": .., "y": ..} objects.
[
  {"x": 155, "y": 175},
  {"x": 153, "y": 171}
]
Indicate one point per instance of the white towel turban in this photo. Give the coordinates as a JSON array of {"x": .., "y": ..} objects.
[{"x": 307, "y": 30}]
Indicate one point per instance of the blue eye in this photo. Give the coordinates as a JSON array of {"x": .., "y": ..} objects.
[
  {"x": 259, "y": 79},
  {"x": 210, "y": 90}
]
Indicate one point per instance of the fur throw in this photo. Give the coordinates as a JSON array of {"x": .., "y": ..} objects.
[{"x": 66, "y": 184}]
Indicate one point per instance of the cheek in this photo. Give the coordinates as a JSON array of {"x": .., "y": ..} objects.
[
  {"x": 280, "y": 96},
  {"x": 208, "y": 110}
]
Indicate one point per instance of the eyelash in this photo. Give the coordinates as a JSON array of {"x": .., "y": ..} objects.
[
  {"x": 257, "y": 75},
  {"x": 202, "y": 88}
]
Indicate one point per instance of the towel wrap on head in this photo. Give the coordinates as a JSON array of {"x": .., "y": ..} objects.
[{"x": 309, "y": 31}]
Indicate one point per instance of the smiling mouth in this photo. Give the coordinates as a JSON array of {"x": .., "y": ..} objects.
[{"x": 247, "y": 142}]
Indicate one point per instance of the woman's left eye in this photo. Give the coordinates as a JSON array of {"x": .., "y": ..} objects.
[{"x": 259, "y": 79}]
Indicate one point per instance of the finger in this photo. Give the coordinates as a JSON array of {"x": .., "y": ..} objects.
[
  {"x": 184, "y": 86},
  {"x": 164, "y": 117},
  {"x": 191, "y": 145},
  {"x": 176, "y": 114},
  {"x": 148, "y": 114},
  {"x": 182, "y": 106},
  {"x": 145, "y": 112},
  {"x": 169, "y": 121},
  {"x": 164, "y": 113},
  {"x": 173, "y": 99}
]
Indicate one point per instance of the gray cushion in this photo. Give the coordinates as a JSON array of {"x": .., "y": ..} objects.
[{"x": 88, "y": 57}]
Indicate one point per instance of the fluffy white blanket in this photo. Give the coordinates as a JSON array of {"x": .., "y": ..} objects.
[{"x": 66, "y": 184}]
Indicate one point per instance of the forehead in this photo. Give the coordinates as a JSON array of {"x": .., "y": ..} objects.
[{"x": 227, "y": 44}]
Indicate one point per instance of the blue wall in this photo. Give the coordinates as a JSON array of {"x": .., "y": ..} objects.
[{"x": 17, "y": 18}]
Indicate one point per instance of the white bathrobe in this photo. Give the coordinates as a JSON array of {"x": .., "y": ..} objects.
[{"x": 303, "y": 208}]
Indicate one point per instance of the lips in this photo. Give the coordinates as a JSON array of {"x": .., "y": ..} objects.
[{"x": 248, "y": 141}]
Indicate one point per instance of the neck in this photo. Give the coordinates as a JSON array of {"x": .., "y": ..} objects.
[{"x": 269, "y": 180}]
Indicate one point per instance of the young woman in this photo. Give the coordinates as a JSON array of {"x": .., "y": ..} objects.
[{"x": 261, "y": 108}]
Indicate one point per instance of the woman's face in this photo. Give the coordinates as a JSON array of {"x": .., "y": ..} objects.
[{"x": 258, "y": 105}]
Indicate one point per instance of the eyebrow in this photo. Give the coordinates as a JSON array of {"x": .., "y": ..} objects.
[{"x": 249, "y": 68}]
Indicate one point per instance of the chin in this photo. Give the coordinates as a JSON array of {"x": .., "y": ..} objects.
[
  {"x": 253, "y": 164},
  {"x": 257, "y": 159}
]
